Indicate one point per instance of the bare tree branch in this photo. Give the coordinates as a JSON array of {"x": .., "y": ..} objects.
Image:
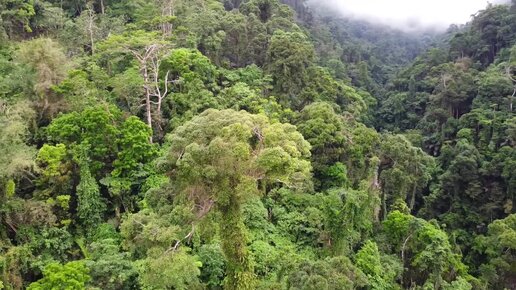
[{"x": 178, "y": 242}]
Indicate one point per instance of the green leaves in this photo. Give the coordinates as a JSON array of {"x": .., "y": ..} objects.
[
  {"x": 498, "y": 244},
  {"x": 55, "y": 178},
  {"x": 406, "y": 169},
  {"x": 90, "y": 134},
  {"x": 289, "y": 56},
  {"x": 349, "y": 217},
  {"x": 134, "y": 148},
  {"x": 16, "y": 157},
  {"x": 368, "y": 260},
  {"x": 213, "y": 265},
  {"x": 187, "y": 65},
  {"x": 15, "y": 16},
  {"x": 72, "y": 275},
  {"x": 244, "y": 142},
  {"x": 47, "y": 62},
  {"x": 110, "y": 268},
  {"x": 331, "y": 273},
  {"x": 326, "y": 132},
  {"x": 427, "y": 246},
  {"x": 90, "y": 207},
  {"x": 102, "y": 136},
  {"x": 220, "y": 156},
  {"x": 173, "y": 270},
  {"x": 108, "y": 148}
]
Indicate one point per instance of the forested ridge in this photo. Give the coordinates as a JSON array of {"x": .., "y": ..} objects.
[{"x": 253, "y": 144}]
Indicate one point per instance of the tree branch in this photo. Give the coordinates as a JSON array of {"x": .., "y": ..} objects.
[{"x": 176, "y": 245}]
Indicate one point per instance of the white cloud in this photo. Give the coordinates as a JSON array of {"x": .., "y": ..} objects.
[{"x": 410, "y": 14}]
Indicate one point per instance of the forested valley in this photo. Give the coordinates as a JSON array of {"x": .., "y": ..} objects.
[{"x": 253, "y": 144}]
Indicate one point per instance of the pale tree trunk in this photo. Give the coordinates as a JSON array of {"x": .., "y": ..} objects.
[
  {"x": 159, "y": 95},
  {"x": 149, "y": 69},
  {"x": 167, "y": 11},
  {"x": 403, "y": 247},
  {"x": 91, "y": 27},
  {"x": 148, "y": 108},
  {"x": 144, "y": 70},
  {"x": 413, "y": 197},
  {"x": 376, "y": 189},
  {"x": 384, "y": 206}
]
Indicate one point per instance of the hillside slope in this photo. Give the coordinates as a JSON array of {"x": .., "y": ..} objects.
[{"x": 232, "y": 144}]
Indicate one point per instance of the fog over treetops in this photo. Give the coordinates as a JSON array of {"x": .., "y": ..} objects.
[{"x": 408, "y": 15}]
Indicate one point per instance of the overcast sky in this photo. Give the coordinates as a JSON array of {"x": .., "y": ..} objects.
[{"x": 410, "y": 14}]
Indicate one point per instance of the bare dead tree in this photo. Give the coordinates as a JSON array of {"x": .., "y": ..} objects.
[
  {"x": 155, "y": 91},
  {"x": 90, "y": 26},
  {"x": 167, "y": 12},
  {"x": 149, "y": 61}
]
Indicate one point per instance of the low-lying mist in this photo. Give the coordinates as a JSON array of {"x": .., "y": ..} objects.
[{"x": 407, "y": 15}]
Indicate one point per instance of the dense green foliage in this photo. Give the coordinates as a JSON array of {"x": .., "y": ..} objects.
[{"x": 253, "y": 144}]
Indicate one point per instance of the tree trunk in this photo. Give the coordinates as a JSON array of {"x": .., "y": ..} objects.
[
  {"x": 384, "y": 206},
  {"x": 239, "y": 271},
  {"x": 91, "y": 23},
  {"x": 376, "y": 188},
  {"x": 91, "y": 38},
  {"x": 148, "y": 108},
  {"x": 413, "y": 197},
  {"x": 167, "y": 11}
]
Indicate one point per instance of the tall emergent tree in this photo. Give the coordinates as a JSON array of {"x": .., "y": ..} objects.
[{"x": 219, "y": 158}]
